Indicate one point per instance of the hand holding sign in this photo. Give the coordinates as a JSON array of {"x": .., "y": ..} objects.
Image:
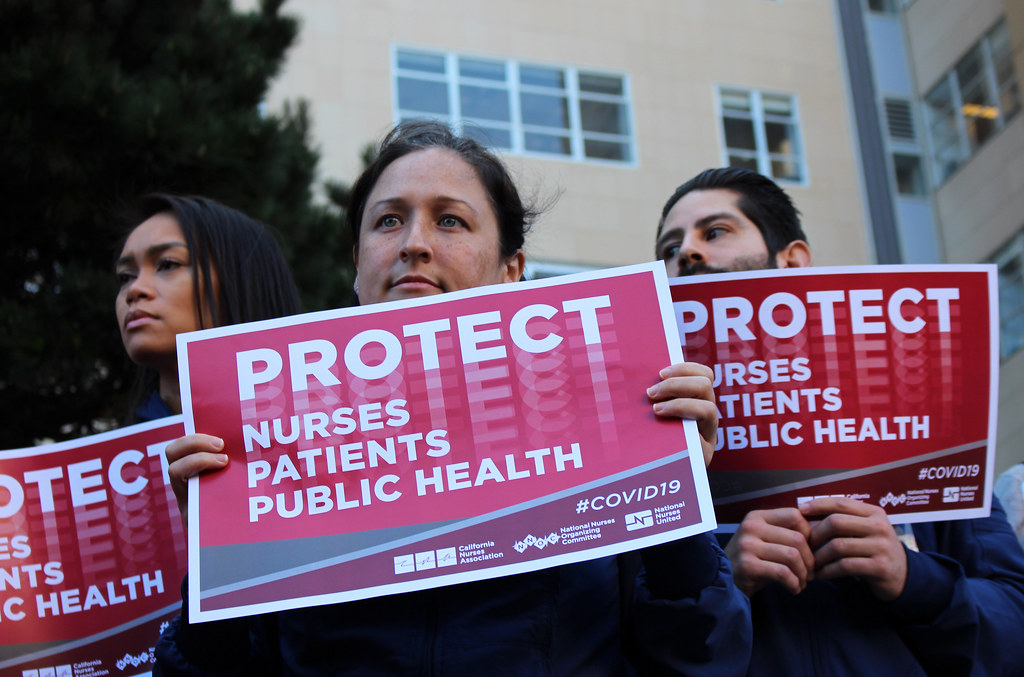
[
  {"x": 685, "y": 391},
  {"x": 771, "y": 546},
  {"x": 186, "y": 458},
  {"x": 856, "y": 539}
]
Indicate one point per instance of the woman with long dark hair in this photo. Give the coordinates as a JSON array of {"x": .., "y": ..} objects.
[{"x": 191, "y": 263}]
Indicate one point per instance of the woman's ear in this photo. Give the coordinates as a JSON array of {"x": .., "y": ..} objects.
[
  {"x": 514, "y": 266},
  {"x": 797, "y": 254}
]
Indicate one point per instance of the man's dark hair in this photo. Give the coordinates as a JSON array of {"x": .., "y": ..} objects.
[{"x": 761, "y": 201}]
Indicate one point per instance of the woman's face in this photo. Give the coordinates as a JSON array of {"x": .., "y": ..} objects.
[
  {"x": 428, "y": 228},
  {"x": 155, "y": 301}
]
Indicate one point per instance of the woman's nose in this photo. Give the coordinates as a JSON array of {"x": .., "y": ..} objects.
[
  {"x": 417, "y": 241},
  {"x": 139, "y": 287}
]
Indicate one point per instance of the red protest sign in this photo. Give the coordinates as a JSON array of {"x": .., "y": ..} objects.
[
  {"x": 92, "y": 552},
  {"x": 876, "y": 383},
  {"x": 414, "y": 444}
]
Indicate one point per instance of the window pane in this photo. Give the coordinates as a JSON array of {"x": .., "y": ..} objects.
[
  {"x": 607, "y": 118},
  {"x": 744, "y": 162},
  {"x": 600, "y": 84},
  {"x": 489, "y": 136},
  {"x": 733, "y": 99},
  {"x": 777, "y": 105},
  {"x": 909, "y": 174},
  {"x": 780, "y": 138},
  {"x": 485, "y": 70},
  {"x": 981, "y": 123},
  {"x": 542, "y": 77},
  {"x": 786, "y": 168},
  {"x": 761, "y": 133},
  {"x": 739, "y": 133},
  {"x": 605, "y": 150},
  {"x": 546, "y": 143},
  {"x": 417, "y": 61},
  {"x": 942, "y": 126},
  {"x": 979, "y": 108},
  {"x": 1009, "y": 94},
  {"x": 1006, "y": 76},
  {"x": 484, "y": 102},
  {"x": 969, "y": 72},
  {"x": 422, "y": 95},
  {"x": 541, "y": 109}
]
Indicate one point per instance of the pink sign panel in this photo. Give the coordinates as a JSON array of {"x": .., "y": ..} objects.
[
  {"x": 877, "y": 383},
  {"x": 414, "y": 444},
  {"x": 92, "y": 553}
]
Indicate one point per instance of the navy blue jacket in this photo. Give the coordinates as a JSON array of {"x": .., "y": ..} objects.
[
  {"x": 670, "y": 610},
  {"x": 153, "y": 408},
  {"x": 961, "y": 613}
]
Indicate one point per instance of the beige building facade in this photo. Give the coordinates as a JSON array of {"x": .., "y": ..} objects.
[
  {"x": 602, "y": 107},
  {"x": 677, "y": 63}
]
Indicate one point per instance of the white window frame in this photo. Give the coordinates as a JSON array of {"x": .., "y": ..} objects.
[
  {"x": 757, "y": 115},
  {"x": 516, "y": 127}
]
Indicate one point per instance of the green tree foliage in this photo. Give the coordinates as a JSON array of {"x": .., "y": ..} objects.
[{"x": 104, "y": 100}]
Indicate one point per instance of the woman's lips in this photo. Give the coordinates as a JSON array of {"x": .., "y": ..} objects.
[
  {"x": 137, "y": 318},
  {"x": 415, "y": 282}
]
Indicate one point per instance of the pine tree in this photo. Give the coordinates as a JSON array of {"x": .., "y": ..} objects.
[{"x": 105, "y": 100}]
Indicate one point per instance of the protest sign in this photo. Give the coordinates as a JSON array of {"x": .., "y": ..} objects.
[
  {"x": 419, "y": 443},
  {"x": 878, "y": 383},
  {"x": 92, "y": 553}
]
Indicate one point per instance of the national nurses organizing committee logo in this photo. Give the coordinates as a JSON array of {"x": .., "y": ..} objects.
[
  {"x": 893, "y": 500},
  {"x": 539, "y": 542}
]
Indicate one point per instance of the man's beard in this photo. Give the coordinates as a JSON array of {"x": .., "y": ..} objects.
[{"x": 763, "y": 262}]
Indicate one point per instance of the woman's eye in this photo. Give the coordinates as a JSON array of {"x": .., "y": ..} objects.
[
  {"x": 168, "y": 264},
  {"x": 124, "y": 278},
  {"x": 449, "y": 222},
  {"x": 390, "y": 221}
]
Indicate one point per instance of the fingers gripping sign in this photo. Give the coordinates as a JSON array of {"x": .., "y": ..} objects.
[
  {"x": 854, "y": 538},
  {"x": 771, "y": 546},
  {"x": 189, "y": 456},
  {"x": 685, "y": 391}
]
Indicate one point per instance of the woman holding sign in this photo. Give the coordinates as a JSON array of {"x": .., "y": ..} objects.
[
  {"x": 188, "y": 264},
  {"x": 437, "y": 213}
]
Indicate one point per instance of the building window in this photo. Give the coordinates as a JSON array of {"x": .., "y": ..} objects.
[
  {"x": 1010, "y": 260},
  {"x": 761, "y": 132},
  {"x": 972, "y": 101},
  {"x": 518, "y": 107}
]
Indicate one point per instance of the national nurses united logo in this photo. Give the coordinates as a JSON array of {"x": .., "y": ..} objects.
[{"x": 639, "y": 520}]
